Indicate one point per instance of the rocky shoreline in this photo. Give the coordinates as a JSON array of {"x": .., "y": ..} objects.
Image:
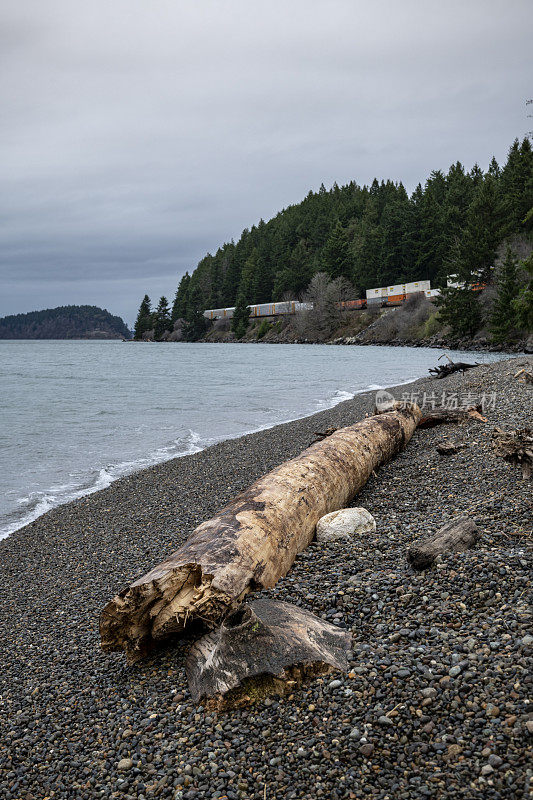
[{"x": 434, "y": 705}]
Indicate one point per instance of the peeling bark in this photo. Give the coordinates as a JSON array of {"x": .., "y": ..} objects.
[
  {"x": 254, "y": 540},
  {"x": 267, "y": 638},
  {"x": 458, "y": 535}
]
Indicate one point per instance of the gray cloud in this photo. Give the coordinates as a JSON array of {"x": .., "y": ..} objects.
[{"x": 136, "y": 135}]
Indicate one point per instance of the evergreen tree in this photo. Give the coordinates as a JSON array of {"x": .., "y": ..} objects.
[
  {"x": 195, "y": 322},
  {"x": 161, "y": 318},
  {"x": 143, "y": 323},
  {"x": 459, "y": 308},
  {"x": 337, "y": 259},
  {"x": 179, "y": 307},
  {"x": 483, "y": 233},
  {"x": 503, "y": 317},
  {"x": 241, "y": 316},
  {"x": 523, "y": 303}
]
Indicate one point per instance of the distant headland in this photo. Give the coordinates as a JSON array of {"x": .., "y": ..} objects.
[{"x": 64, "y": 322}]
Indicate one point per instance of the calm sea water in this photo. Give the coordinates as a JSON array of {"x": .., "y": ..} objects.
[{"x": 76, "y": 415}]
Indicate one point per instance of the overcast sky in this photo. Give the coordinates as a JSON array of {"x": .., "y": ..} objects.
[{"x": 137, "y": 135}]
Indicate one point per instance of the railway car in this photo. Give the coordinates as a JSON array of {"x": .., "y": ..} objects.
[
  {"x": 352, "y": 304},
  {"x": 380, "y": 297},
  {"x": 396, "y": 299}
]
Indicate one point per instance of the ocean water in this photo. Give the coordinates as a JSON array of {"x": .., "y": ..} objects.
[{"x": 77, "y": 415}]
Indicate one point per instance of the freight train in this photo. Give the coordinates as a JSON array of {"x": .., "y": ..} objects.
[{"x": 381, "y": 297}]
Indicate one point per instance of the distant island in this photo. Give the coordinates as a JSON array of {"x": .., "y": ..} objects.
[{"x": 64, "y": 322}]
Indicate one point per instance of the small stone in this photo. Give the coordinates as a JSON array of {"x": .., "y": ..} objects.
[
  {"x": 453, "y": 751},
  {"x": 334, "y": 684},
  {"x": 403, "y": 673},
  {"x": 366, "y": 749},
  {"x": 529, "y": 726},
  {"x": 454, "y": 671},
  {"x": 385, "y": 721},
  {"x": 125, "y": 764},
  {"x": 486, "y": 769},
  {"x": 527, "y": 640},
  {"x": 491, "y": 710},
  {"x": 495, "y": 761}
]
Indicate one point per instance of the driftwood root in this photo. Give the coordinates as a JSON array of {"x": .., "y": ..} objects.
[{"x": 516, "y": 447}]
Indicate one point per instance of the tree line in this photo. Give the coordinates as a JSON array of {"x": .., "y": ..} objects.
[
  {"x": 64, "y": 322},
  {"x": 373, "y": 236}
]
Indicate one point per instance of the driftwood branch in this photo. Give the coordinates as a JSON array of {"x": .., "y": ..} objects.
[
  {"x": 444, "y": 416},
  {"x": 458, "y": 535},
  {"x": 443, "y": 370},
  {"x": 252, "y": 542},
  {"x": 515, "y": 447},
  {"x": 266, "y": 647}
]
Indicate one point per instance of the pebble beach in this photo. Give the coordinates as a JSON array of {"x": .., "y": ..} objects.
[{"x": 435, "y": 702}]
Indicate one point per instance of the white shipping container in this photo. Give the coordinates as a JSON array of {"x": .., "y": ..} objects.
[
  {"x": 398, "y": 288},
  {"x": 373, "y": 293},
  {"x": 417, "y": 286}
]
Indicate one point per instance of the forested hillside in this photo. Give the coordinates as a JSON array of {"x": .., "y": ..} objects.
[
  {"x": 370, "y": 235},
  {"x": 65, "y": 322}
]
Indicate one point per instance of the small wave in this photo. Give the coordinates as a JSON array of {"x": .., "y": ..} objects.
[{"x": 35, "y": 504}]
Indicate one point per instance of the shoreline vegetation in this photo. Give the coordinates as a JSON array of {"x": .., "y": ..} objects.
[
  {"x": 64, "y": 322},
  {"x": 470, "y": 233},
  {"x": 435, "y": 699}
]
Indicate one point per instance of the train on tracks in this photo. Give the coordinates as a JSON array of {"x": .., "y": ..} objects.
[{"x": 381, "y": 297}]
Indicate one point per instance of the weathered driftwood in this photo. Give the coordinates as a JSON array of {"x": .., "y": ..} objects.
[
  {"x": 515, "y": 447},
  {"x": 524, "y": 376},
  {"x": 264, "y": 639},
  {"x": 458, "y": 535},
  {"x": 252, "y": 542},
  {"x": 443, "y": 416},
  {"x": 443, "y": 370},
  {"x": 449, "y": 448}
]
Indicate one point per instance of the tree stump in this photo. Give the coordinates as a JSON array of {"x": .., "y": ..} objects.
[{"x": 275, "y": 643}]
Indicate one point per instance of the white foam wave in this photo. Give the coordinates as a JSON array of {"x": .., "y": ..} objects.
[{"x": 38, "y": 503}]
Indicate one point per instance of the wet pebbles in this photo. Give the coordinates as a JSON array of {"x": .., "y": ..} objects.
[{"x": 434, "y": 705}]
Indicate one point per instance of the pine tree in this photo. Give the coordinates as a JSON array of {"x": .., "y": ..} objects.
[
  {"x": 195, "y": 322},
  {"x": 523, "y": 303},
  {"x": 179, "y": 306},
  {"x": 143, "y": 323},
  {"x": 459, "y": 308},
  {"x": 337, "y": 259},
  {"x": 503, "y": 317},
  {"x": 241, "y": 316},
  {"x": 161, "y": 318}
]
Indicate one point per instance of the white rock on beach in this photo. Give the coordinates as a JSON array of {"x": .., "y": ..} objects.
[{"x": 344, "y": 524}]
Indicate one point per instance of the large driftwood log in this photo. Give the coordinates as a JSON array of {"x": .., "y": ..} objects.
[
  {"x": 252, "y": 542},
  {"x": 265, "y": 640},
  {"x": 458, "y": 535}
]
